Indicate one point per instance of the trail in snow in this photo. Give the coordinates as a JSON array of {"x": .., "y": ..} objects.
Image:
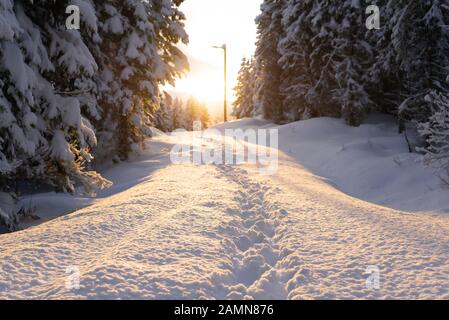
[{"x": 226, "y": 232}]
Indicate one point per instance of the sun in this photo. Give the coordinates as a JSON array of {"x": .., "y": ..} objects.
[
  {"x": 205, "y": 86},
  {"x": 208, "y": 24}
]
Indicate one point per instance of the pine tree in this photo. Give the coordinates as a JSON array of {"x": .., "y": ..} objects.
[
  {"x": 204, "y": 116},
  {"x": 244, "y": 90},
  {"x": 136, "y": 55},
  {"x": 386, "y": 85},
  {"x": 429, "y": 104},
  {"x": 295, "y": 47},
  {"x": 45, "y": 135},
  {"x": 163, "y": 116},
  {"x": 354, "y": 57},
  {"x": 421, "y": 43},
  {"x": 323, "y": 59},
  {"x": 178, "y": 115},
  {"x": 61, "y": 89},
  {"x": 191, "y": 113},
  {"x": 46, "y": 131},
  {"x": 268, "y": 100},
  {"x": 436, "y": 131}
]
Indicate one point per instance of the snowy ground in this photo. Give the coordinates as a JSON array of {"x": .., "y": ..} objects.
[{"x": 227, "y": 232}]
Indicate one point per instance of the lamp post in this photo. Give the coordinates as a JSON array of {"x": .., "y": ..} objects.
[{"x": 224, "y": 48}]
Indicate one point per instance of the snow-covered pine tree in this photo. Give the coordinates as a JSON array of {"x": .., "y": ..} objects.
[
  {"x": 323, "y": 58},
  {"x": 295, "y": 49},
  {"x": 162, "y": 119},
  {"x": 354, "y": 57},
  {"x": 204, "y": 116},
  {"x": 46, "y": 131},
  {"x": 191, "y": 113},
  {"x": 244, "y": 90},
  {"x": 385, "y": 80},
  {"x": 44, "y": 135},
  {"x": 12, "y": 97},
  {"x": 436, "y": 132},
  {"x": 178, "y": 115},
  {"x": 268, "y": 100},
  {"x": 137, "y": 54},
  {"x": 72, "y": 81},
  {"x": 432, "y": 89},
  {"x": 421, "y": 43},
  {"x": 194, "y": 111},
  {"x": 168, "y": 22}
]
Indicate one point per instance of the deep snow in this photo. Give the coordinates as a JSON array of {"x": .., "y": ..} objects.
[
  {"x": 371, "y": 162},
  {"x": 223, "y": 231}
]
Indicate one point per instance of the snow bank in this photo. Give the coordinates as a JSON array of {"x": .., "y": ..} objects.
[
  {"x": 370, "y": 162},
  {"x": 247, "y": 123},
  {"x": 125, "y": 175}
]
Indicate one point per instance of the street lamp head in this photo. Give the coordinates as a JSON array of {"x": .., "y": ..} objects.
[{"x": 220, "y": 47}]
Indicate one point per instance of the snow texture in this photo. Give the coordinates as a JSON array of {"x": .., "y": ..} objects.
[{"x": 221, "y": 231}]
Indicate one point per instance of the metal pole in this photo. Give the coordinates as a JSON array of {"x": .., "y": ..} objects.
[
  {"x": 225, "y": 85},
  {"x": 224, "y": 48}
]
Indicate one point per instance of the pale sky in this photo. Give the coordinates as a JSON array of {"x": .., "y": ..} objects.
[{"x": 214, "y": 22}]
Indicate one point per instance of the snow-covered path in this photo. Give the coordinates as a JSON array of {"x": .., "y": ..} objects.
[{"x": 226, "y": 232}]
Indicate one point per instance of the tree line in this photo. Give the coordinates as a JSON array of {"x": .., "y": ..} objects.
[
  {"x": 316, "y": 58},
  {"x": 175, "y": 114}
]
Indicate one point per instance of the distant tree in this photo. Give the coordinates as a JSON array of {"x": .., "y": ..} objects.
[
  {"x": 191, "y": 113},
  {"x": 162, "y": 118},
  {"x": 195, "y": 111},
  {"x": 204, "y": 116},
  {"x": 178, "y": 115},
  {"x": 244, "y": 90}
]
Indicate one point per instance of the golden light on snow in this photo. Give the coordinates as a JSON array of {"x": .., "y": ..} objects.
[{"x": 214, "y": 22}]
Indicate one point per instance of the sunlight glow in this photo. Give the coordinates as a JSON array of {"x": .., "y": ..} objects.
[
  {"x": 205, "y": 85},
  {"x": 214, "y": 22}
]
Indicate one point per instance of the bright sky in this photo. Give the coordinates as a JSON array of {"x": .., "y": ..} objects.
[{"x": 214, "y": 22}]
